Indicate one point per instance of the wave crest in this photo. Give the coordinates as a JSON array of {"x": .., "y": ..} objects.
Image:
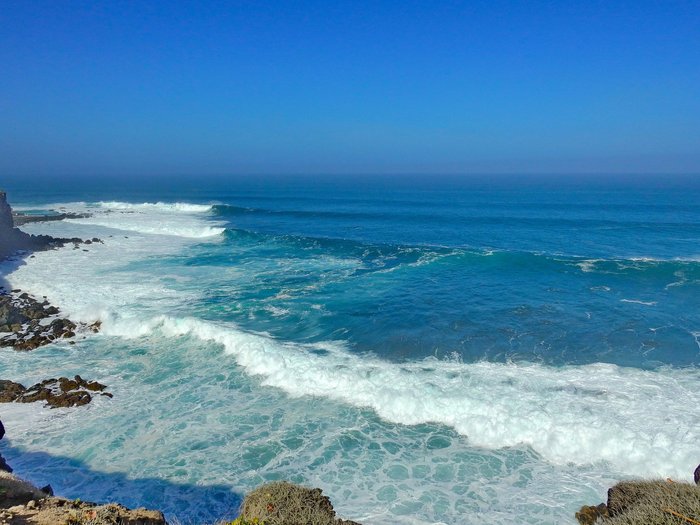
[{"x": 579, "y": 414}]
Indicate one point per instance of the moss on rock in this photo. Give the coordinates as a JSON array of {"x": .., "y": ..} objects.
[{"x": 283, "y": 503}]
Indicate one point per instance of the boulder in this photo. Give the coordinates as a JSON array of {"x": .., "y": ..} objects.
[
  {"x": 284, "y": 503},
  {"x": 10, "y": 391}
]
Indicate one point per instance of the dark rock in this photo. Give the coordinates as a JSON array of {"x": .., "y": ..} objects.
[
  {"x": 6, "y": 221},
  {"x": 47, "y": 489},
  {"x": 696, "y": 476},
  {"x": 10, "y": 391},
  {"x": 2, "y": 430},
  {"x": 4, "y": 466},
  {"x": 589, "y": 514},
  {"x": 56, "y": 393},
  {"x": 94, "y": 386},
  {"x": 66, "y": 385}
]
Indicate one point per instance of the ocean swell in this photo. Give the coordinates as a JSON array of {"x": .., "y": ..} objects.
[{"x": 638, "y": 421}]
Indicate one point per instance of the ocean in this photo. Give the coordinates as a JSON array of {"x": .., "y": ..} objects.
[{"x": 424, "y": 349}]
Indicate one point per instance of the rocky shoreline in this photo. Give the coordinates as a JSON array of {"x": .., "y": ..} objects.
[
  {"x": 27, "y": 324},
  {"x": 13, "y": 240},
  {"x": 56, "y": 393}
]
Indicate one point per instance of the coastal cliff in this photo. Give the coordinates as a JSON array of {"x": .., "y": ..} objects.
[
  {"x": 13, "y": 239},
  {"x": 27, "y": 323}
]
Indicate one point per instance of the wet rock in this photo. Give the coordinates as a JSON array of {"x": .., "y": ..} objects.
[
  {"x": 589, "y": 514},
  {"x": 696, "y": 475},
  {"x": 56, "y": 393},
  {"x": 10, "y": 391},
  {"x": 47, "y": 489},
  {"x": 4, "y": 467},
  {"x": 31, "y": 324}
]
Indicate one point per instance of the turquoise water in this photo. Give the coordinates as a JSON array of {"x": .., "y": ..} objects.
[{"x": 435, "y": 351}]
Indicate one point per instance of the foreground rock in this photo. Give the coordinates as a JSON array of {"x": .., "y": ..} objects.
[
  {"x": 656, "y": 502},
  {"x": 56, "y": 393},
  {"x": 22, "y": 503},
  {"x": 26, "y": 323},
  {"x": 283, "y": 503}
]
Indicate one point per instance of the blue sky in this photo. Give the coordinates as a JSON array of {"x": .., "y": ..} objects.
[{"x": 178, "y": 87}]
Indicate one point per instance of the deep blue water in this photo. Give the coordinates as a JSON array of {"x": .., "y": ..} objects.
[{"x": 508, "y": 268}]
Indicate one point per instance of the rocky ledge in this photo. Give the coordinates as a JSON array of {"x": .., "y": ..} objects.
[
  {"x": 647, "y": 502},
  {"x": 20, "y": 218},
  {"x": 22, "y": 503},
  {"x": 26, "y": 323},
  {"x": 57, "y": 393},
  {"x": 13, "y": 240}
]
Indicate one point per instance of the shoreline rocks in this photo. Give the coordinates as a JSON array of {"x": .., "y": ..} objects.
[
  {"x": 22, "y": 503},
  {"x": 13, "y": 240},
  {"x": 26, "y": 323},
  {"x": 57, "y": 393},
  {"x": 20, "y": 218}
]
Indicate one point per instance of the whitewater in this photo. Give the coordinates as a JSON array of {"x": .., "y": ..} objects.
[{"x": 234, "y": 359}]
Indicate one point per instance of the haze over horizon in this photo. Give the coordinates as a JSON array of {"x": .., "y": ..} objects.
[{"x": 316, "y": 87}]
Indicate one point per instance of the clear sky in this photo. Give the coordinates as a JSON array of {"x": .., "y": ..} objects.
[{"x": 114, "y": 87}]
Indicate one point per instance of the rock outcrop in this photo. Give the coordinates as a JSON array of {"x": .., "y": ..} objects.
[
  {"x": 13, "y": 239},
  {"x": 26, "y": 323},
  {"x": 283, "y": 503},
  {"x": 22, "y": 503},
  {"x": 56, "y": 393},
  {"x": 20, "y": 218},
  {"x": 658, "y": 502},
  {"x": 6, "y": 222}
]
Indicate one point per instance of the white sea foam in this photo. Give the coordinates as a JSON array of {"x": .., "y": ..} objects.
[
  {"x": 170, "y": 207},
  {"x": 637, "y": 301},
  {"x": 588, "y": 265},
  {"x": 641, "y": 422},
  {"x": 171, "y": 219}
]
